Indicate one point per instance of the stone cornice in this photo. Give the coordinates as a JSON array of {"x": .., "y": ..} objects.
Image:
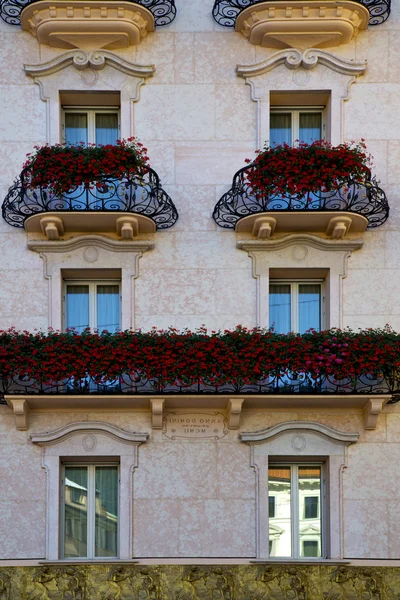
[
  {"x": 305, "y": 426},
  {"x": 84, "y": 241},
  {"x": 319, "y": 243},
  {"x": 89, "y": 427},
  {"x": 309, "y": 59},
  {"x": 95, "y": 60}
]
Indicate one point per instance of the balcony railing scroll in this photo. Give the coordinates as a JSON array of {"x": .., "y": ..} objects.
[
  {"x": 225, "y": 12},
  {"x": 366, "y": 199},
  {"x": 141, "y": 194},
  {"x": 163, "y": 11},
  {"x": 137, "y": 383}
]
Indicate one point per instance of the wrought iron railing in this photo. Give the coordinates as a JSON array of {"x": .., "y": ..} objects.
[
  {"x": 142, "y": 195},
  {"x": 139, "y": 384},
  {"x": 163, "y": 11},
  {"x": 225, "y": 12},
  {"x": 366, "y": 199}
]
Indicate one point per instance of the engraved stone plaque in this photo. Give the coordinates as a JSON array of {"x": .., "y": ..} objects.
[{"x": 190, "y": 425}]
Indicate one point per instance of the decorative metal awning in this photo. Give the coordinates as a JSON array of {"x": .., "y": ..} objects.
[
  {"x": 225, "y": 12},
  {"x": 163, "y": 11}
]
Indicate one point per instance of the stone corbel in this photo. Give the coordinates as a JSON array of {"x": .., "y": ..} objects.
[
  {"x": 372, "y": 410},
  {"x": 21, "y": 411},
  {"x": 234, "y": 411},
  {"x": 157, "y": 412}
]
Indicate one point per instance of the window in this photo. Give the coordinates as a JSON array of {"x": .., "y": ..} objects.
[
  {"x": 300, "y": 536},
  {"x": 92, "y": 304},
  {"x": 287, "y": 126},
  {"x": 90, "y": 525},
  {"x": 295, "y": 305},
  {"x": 91, "y": 126},
  {"x": 271, "y": 506}
]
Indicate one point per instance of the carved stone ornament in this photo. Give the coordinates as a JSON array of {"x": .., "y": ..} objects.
[
  {"x": 199, "y": 582},
  {"x": 96, "y": 60},
  {"x": 308, "y": 59},
  {"x": 76, "y": 24},
  {"x": 303, "y": 23}
]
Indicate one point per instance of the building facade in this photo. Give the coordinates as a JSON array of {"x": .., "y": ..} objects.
[{"x": 126, "y": 489}]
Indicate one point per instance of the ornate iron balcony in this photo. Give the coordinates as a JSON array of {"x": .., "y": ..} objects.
[
  {"x": 225, "y": 12},
  {"x": 139, "y": 384},
  {"x": 142, "y": 195},
  {"x": 366, "y": 199},
  {"x": 163, "y": 11}
]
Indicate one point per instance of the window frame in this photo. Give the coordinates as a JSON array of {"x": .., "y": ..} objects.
[
  {"x": 295, "y": 520},
  {"x": 294, "y": 299},
  {"x": 294, "y": 111},
  {"x": 92, "y": 283},
  {"x": 91, "y": 112},
  {"x": 91, "y": 508}
]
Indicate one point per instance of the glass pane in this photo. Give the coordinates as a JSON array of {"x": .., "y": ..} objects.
[
  {"x": 271, "y": 506},
  {"x": 309, "y": 511},
  {"x": 280, "y": 129},
  {"x": 76, "y": 128},
  {"x": 106, "y": 128},
  {"x": 280, "y": 523},
  {"x": 279, "y": 307},
  {"x": 77, "y": 307},
  {"x": 108, "y": 307},
  {"x": 75, "y": 512},
  {"x": 309, "y": 307},
  {"x": 310, "y": 127},
  {"x": 106, "y": 526}
]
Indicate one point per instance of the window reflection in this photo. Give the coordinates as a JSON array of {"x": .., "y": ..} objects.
[
  {"x": 280, "y": 522},
  {"x": 310, "y": 511}
]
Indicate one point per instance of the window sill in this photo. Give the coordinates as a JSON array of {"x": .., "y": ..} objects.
[
  {"x": 301, "y": 561},
  {"x": 88, "y": 561}
]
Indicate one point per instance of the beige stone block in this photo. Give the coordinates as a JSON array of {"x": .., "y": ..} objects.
[
  {"x": 392, "y": 250},
  {"x": 128, "y": 421},
  {"x": 235, "y": 292},
  {"x": 187, "y": 251},
  {"x": 393, "y": 425},
  {"x": 381, "y": 157},
  {"x": 162, "y": 160},
  {"x": 160, "y": 321},
  {"x": 15, "y": 52},
  {"x": 217, "y": 54},
  {"x": 251, "y": 420},
  {"x": 179, "y": 112},
  {"x": 13, "y": 251},
  {"x": 12, "y": 304},
  {"x": 366, "y": 529},
  {"x": 394, "y": 161},
  {"x": 22, "y": 529},
  {"x": 27, "y": 323},
  {"x": 156, "y": 528},
  {"x": 193, "y": 16},
  {"x": 210, "y": 162},
  {"x": 373, "y": 46},
  {"x": 177, "y": 470},
  {"x": 206, "y": 528},
  {"x": 214, "y": 322},
  {"x": 366, "y": 477},
  {"x": 360, "y": 299},
  {"x": 27, "y": 108},
  {"x": 236, "y": 478},
  {"x": 372, "y": 254},
  {"x": 158, "y": 48},
  {"x": 394, "y": 528},
  {"x": 195, "y": 205},
  {"x": 349, "y": 421},
  {"x": 379, "y": 100},
  {"x": 235, "y": 113},
  {"x": 364, "y": 321},
  {"x": 184, "y": 58}
]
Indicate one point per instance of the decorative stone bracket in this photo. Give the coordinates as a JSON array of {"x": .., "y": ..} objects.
[{"x": 372, "y": 410}]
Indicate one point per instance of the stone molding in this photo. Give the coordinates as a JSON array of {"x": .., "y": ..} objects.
[
  {"x": 312, "y": 441},
  {"x": 308, "y": 59},
  {"x": 88, "y": 441},
  {"x": 57, "y": 435},
  {"x": 325, "y": 23},
  {"x": 72, "y": 23},
  {"x": 300, "y": 251},
  {"x": 96, "y": 60},
  {"x": 329, "y": 433}
]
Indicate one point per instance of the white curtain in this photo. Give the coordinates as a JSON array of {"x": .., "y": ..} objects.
[
  {"x": 280, "y": 129},
  {"x": 77, "y": 307},
  {"x": 310, "y": 127},
  {"x": 280, "y": 307},
  {"x": 76, "y": 128},
  {"x": 309, "y": 307},
  {"x": 106, "y": 128},
  {"x": 108, "y": 307}
]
